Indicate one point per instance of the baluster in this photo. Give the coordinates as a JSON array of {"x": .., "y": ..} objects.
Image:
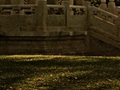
[
  {"x": 111, "y": 6},
  {"x": 103, "y": 5}
]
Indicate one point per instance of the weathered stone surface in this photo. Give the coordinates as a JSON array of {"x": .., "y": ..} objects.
[
  {"x": 78, "y": 2},
  {"x": 17, "y": 1},
  {"x": 37, "y": 45},
  {"x": 99, "y": 47},
  {"x": 53, "y": 1},
  {"x": 31, "y": 1}
]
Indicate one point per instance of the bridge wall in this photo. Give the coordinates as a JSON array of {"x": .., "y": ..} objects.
[
  {"x": 44, "y": 45},
  {"x": 58, "y": 29}
]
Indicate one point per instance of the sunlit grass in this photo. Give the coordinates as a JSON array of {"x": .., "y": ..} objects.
[{"x": 51, "y": 72}]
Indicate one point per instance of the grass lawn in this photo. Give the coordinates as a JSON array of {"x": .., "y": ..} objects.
[{"x": 45, "y": 72}]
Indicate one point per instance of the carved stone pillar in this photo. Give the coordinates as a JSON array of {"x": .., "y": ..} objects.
[
  {"x": 111, "y": 6},
  {"x": 67, "y": 16},
  {"x": 41, "y": 15},
  {"x": 103, "y": 5}
]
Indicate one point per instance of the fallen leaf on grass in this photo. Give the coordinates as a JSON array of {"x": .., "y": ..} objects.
[{"x": 51, "y": 75}]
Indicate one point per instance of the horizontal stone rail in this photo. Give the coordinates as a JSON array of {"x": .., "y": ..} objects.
[{"x": 17, "y": 9}]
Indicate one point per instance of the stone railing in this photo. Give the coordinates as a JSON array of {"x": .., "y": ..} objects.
[
  {"x": 17, "y": 9},
  {"x": 56, "y": 15},
  {"x": 104, "y": 20},
  {"x": 62, "y": 15},
  {"x": 103, "y": 15},
  {"x": 77, "y": 17},
  {"x": 39, "y": 17}
]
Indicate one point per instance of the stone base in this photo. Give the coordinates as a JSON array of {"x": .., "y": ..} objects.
[
  {"x": 43, "y": 45},
  {"x": 57, "y": 45}
]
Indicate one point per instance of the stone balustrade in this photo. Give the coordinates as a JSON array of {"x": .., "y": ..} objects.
[
  {"x": 37, "y": 18},
  {"x": 77, "y": 17},
  {"x": 30, "y": 27},
  {"x": 56, "y": 15},
  {"x": 101, "y": 14},
  {"x": 104, "y": 21},
  {"x": 67, "y": 15}
]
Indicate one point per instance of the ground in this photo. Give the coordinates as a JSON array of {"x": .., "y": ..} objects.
[{"x": 48, "y": 72}]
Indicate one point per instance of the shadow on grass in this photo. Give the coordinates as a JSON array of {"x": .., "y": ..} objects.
[{"x": 72, "y": 73}]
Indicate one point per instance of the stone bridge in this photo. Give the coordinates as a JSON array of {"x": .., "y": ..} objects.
[{"x": 41, "y": 27}]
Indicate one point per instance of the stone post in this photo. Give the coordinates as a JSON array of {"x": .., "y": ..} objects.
[
  {"x": 87, "y": 29},
  {"x": 67, "y": 11},
  {"x": 71, "y": 2},
  {"x": 103, "y": 5},
  {"x": 111, "y": 6},
  {"x": 87, "y": 4},
  {"x": 41, "y": 15}
]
